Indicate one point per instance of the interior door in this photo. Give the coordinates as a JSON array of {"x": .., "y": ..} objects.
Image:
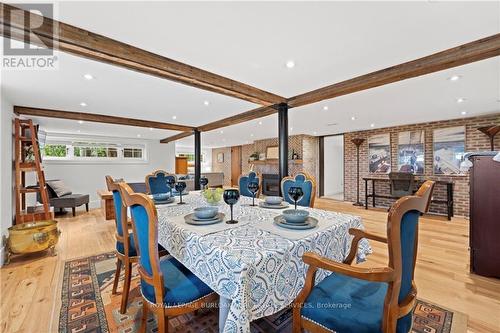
[{"x": 235, "y": 164}]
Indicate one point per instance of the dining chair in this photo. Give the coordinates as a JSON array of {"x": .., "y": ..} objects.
[
  {"x": 168, "y": 288},
  {"x": 244, "y": 180},
  {"x": 365, "y": 300},
  {"x": 157, "y": 182},
  {"x": 126, "y": 253},
  {"x": 308, "y": 185}
]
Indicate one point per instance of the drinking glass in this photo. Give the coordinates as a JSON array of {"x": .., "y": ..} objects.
[
  {"x": 180, "y": 187},
  {"x": 171, "y": 183},
  {"x": 231, "y": 197},
  {"x": 203, "y": 182},
  {"x": 253, "y": 187},
  {"x": 296, "y": 193}
]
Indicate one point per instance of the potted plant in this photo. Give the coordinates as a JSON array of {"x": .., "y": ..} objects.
[{"x": 254, "y": 156}]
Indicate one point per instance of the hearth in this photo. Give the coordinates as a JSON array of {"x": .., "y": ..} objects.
[{"x": 270, "y": 184}]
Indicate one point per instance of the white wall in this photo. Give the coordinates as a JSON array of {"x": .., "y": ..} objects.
[
  {"x": 334, "y": 165},
  {"x": 6, "y": 185},
  {"x": 88, "y": 177}
]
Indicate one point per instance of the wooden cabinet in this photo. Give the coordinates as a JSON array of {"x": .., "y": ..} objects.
[
  {"x": 485, "y": 216},
  {"x": 181, "y": 165}
]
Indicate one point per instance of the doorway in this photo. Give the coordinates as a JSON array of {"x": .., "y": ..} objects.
[
  {"x": 333, "y": 180},
  {"x": 235, "y": 165}
]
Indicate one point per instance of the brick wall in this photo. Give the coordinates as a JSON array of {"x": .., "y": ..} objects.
[
  {"x": 224, "y": 167},
  {"x": 474, "y": 141}
]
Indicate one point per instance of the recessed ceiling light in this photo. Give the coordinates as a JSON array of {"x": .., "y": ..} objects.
[
  {"x": 138, "y": 135},
  {"x": 454, "y": 78},
  {"x": 463, "y": 113},
  {"x": 325, "y": 107},
  {"x": 78, "y": 131},
  {"x": 83, "y": 104},
  {"x": 291, "y": 129},
  {"x": 174, "y": 117},
  {"x": 353, "y": 118},
  {"x": 315, "y": 133},
  {"x": 206, "y": 103},
  {"x": 251, "y": 135},
  {"x": 260, "y": 122},
  {"x": 372, "y": 125},
  {"x": 290, "y": 64},
  {"x": 88, "y": 76},
  {"x": 221, "y": 132},
  {"x": 151, "y": 128},
  {"x": 460, "y": 100},
  {"x": 80, "y": 122}
]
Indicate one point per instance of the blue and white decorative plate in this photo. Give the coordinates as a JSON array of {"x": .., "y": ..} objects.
[{"x": 310, "y": 223}]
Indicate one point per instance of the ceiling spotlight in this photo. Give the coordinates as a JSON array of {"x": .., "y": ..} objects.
[
  {"x": 291, "y": 129},
  {"x": 353, "y": 118},
  {"x": 325, "y": 107},
  {"x": 88, "y": 76},
  {"x": 315, "y": 133},
  {"x": 138, "y": 135},
  {"x": 290, "y": 64},
  {"x": 83, "y": 104},
  {"x": 463, "y": 113},
  {"x": 151, "y": 128},
  {"x": 206, "y": 103},
  {"x": 80, "y": 122},
  {"x": 454, "y": 78},
  {"x": 174, "y": 117},
  {"x": 372, "y": 125},
  {"x": 251, "y": 135},
  {"x": 221, "y": 132},
  {"x": 78, "y": 131},
  {"x": 460, "y": 100},
  {"x": 260, "y": 122}
]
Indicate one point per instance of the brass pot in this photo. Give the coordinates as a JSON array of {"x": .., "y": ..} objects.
[{"x": 33, "y": 237}]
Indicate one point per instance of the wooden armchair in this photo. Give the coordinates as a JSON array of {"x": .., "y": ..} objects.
[
  {"x": 362, "y": 300},
  {"x": 168, "y": 288}
]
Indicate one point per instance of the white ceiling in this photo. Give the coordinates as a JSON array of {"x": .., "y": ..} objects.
[{"x": 251, "y": 42}]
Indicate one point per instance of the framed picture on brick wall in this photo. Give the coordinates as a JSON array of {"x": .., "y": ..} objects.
[
  {"x": 411, "y": 152},
  {"x": 449, "y": 150},
  {"x": 379, "y": 153}
]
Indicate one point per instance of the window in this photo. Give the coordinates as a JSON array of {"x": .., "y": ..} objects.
[
  {"x": 96, "y": 152},
  {"x": 132, "y": 152},
  {"x": 55, "y": 151},
  {"x": 68, "y": 150}
]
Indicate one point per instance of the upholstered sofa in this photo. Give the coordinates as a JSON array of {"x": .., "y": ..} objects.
[
  {"x": 61, "y": 197},
  {"x": 215, "y": 179}
]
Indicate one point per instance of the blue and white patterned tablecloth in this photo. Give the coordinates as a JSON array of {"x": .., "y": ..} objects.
[{"x": 261, "y": 272}]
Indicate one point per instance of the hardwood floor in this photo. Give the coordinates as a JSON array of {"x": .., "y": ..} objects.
[{"x": 30, "y": 285}]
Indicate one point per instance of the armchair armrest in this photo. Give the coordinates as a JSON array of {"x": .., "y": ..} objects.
[
  {"x": 377, "y": 274},
  {"x": 358, "y": 235}
]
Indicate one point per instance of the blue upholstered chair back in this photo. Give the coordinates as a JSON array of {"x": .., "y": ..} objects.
[
  {"x": 245, "y": 180},
  {"x": 300, "y": 180},
  {"x": 117, "y": 200},
  {"x": 141, "y": 222},
  {"x": 158, "y": 182},
  {"x": 409, "y": 227}
]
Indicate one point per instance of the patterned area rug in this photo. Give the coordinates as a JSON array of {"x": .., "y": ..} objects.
[{"x": 89, "y": 306}]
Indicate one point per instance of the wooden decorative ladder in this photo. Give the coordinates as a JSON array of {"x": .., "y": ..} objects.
[{"x": 28, "y": 159}]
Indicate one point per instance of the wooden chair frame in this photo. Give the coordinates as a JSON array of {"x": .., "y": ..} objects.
[
  {"x": 309, "y": 178},
  {"x": 156, "y": 280},
  {"x": 154, "y": 175},
  {"x": 258, "y": 176},
  {"x": 391, "y": 274},
  {"x": 122, "y": 259}
]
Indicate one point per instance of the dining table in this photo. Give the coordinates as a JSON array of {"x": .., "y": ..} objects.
[{"x": 255, "y": 266}]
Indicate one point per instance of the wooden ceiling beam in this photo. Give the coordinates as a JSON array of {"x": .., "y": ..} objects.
[
  {"x": 457, "y": 56},
  {"x": 176, "y": 137},
  {"x": 98, "y": 118},
  {"x": 70, "y": 39}
]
